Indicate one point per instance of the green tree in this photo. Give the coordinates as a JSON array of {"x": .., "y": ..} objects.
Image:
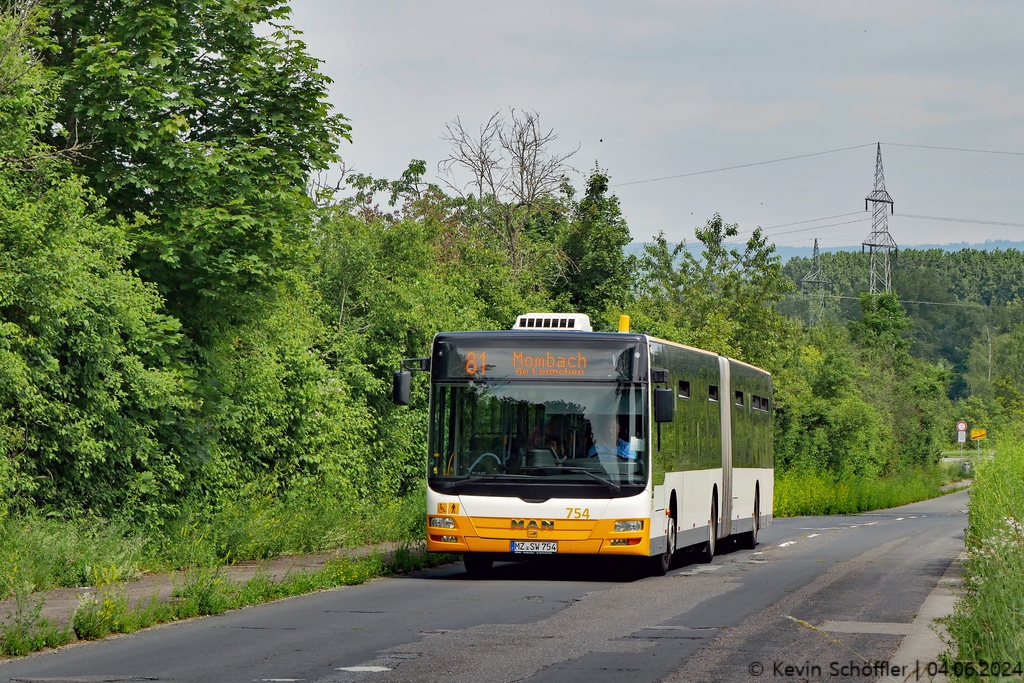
[
  {"x": 599, "y": 273},
  {"x": 723, "y": 300},
  {"x": 205, "y": 125},
  {"x": 93, "y": 396}
]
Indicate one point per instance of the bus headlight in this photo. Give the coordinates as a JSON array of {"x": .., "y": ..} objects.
[
  {"x": 442, "y": 522},
  {"x": 628, "y": 525}
]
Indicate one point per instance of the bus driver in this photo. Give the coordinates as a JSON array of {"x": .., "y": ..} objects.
[{"x": 608, "y": 440}]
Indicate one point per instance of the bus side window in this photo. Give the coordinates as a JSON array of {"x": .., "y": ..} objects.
[
  {"x": 712, "y": 392},
  {"x": 684, "y": 389}
]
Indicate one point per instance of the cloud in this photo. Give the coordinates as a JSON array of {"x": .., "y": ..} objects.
[
  {"x": 648, "y": 108},
  {"x": 905, "y": 101},
  {"x": 884, "y": 12}
]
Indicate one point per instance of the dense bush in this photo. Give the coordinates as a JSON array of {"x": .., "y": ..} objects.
[{"x": 989, "y": 618}]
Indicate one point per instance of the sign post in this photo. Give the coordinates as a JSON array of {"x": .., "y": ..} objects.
[
  {"x": 961, "y": 437},
  {"x": 978, "y": 435}
]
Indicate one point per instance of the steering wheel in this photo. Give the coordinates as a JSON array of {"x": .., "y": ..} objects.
[{"x": 476, "y": 462}]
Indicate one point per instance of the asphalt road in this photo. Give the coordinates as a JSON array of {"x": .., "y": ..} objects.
[{"x": 570, "y": 621}]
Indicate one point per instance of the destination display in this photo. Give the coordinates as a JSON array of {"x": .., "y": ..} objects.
[{"x": 484, "y": 359}]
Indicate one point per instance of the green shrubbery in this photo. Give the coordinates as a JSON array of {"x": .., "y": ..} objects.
[
  {"x": 988, "y": 624},
  {"x": 813, "y": 493}
]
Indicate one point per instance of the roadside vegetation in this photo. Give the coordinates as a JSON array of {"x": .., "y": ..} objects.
[
  {"x": 200, "y": 591},
  {"x": 814, "y": 493},
  {"x": 201, "y": 307},
  {"x": 987, "y": 624}
]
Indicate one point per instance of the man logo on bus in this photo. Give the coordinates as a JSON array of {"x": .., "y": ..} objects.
[{"x": 522, "y": 524}]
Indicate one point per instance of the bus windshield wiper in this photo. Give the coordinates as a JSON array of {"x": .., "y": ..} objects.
[
  {"x": 450, "y": 485},
  {"x": 615, "y": 488}
]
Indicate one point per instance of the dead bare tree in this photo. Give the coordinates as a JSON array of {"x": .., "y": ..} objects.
[
  {"x": 534, "y": 171},
  {"x": 479, "y": 154},
  {"x": 514, "y": 173}
]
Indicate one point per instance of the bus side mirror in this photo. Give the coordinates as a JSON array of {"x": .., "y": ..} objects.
[
  {"x": 401, "y": 388},
  {"x": 664, "y": 405}
]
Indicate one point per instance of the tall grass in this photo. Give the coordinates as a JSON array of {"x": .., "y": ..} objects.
[
  {"x": 43, "y": 552},
  {"x": 814, "y": 493},
  {"x": 988, "y": 622},
  {"x": 201, "y": 591}
]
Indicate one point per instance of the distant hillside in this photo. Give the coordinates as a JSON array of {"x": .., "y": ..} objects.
[{"x": 788, "y": 252}]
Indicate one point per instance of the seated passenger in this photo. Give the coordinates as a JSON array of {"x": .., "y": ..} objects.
[
  {"x": 608, "y": 442},
  {"x": 547, "y": 436}
]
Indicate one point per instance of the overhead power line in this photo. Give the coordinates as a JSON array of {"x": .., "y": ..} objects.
[
  {"x": 815, "y": 154},
  {"x": 957, "y": 149},
  {"x": 961, "y": 220},
  {"x": 961, "y": 304},
  {"x": 818, "y": 227},
  {"x": 858, "y": 220},
  {"x": 733, "y": 168},
  {"x": 812, "y": 220}
]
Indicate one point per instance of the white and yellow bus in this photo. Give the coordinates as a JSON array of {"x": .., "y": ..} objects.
[{"x": 553, "y": 439}]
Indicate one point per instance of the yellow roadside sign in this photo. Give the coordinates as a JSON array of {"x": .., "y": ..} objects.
[{"x": 977, "y": 434}]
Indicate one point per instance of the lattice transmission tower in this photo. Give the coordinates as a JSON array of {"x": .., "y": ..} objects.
[
  {"x": 880, "y": 242},
  {"x": 816, "y": 278}
]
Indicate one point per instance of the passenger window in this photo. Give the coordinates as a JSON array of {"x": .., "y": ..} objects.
[
  {"x": 684, "y": 389},
  {"x": 712, "y": 392},
  {"x": 739, "y": 398}
]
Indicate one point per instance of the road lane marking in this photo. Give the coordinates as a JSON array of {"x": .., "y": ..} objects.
[
  {"x": 813, "y": 535},
  {"x": 364, "y": 669},
  {"x": 898, "y": 519},
  {"x": 783, "y": 545}
]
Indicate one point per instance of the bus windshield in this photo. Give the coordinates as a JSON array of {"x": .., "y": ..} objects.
[{"x": 552, "y": 432}]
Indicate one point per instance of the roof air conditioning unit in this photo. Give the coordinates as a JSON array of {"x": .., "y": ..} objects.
[{"x": 566, "y": 322}]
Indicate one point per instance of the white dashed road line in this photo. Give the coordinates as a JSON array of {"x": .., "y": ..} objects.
[{"x": 783, "y": 545}]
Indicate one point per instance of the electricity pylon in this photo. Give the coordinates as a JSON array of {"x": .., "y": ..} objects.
[
  {"x": 880, "y": 242},
  {"x": 816, "y": 277}
]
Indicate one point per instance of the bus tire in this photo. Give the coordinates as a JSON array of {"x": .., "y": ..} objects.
[
  {"x": 749, "y": 539},
  {"x": 707, "y": 550},
  {"x": 660, "y": 564},
  {"x": 478, "y": 565}
]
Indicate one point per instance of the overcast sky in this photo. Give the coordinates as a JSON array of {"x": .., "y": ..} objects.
[{"x": 653, "y": 89}]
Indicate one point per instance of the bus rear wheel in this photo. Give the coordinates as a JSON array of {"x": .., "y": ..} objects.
[
  {"x": 707, "y": 551},
  {"x": 478, "y": 565},
  {"x": 749, "y": 539}
]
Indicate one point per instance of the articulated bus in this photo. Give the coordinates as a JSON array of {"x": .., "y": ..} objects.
[{"x": 553, "y": 439}]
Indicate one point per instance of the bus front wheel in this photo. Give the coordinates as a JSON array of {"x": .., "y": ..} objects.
[{"x": 660, "y": 564}]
